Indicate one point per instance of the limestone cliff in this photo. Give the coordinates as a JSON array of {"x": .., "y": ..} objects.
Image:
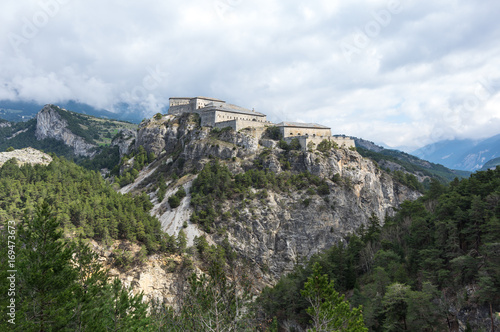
[
  {"x": 51, "y": 125},
  {"x": 124, "y": 140},
  {"x": 275, "y": 232}
]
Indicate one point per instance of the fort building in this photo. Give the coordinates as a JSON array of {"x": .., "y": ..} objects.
[
  {"x": 219, "y": 114},
  {"x": 310, "y": 135},
  {"x": 294, "y": 129}
]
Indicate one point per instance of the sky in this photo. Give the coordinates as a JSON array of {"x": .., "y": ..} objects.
[{"x": 399, "y": 73}]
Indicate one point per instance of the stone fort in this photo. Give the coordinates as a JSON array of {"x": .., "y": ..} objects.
[{"x": 217, "y": 113}]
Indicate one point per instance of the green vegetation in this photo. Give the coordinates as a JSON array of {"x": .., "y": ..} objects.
[
  {"x": 93, "y": 130},
  {"x": 86, "y": 204},
  {"x": 408, "y": 273},
  {"x": 25, "y": 137},
  {"x": 175, "y": 200},
  {"x": 60, "y": 285},
  {"x": 215, "y": 184},
  {"x": 326, "y": 145},
  {"x": 294, "y": 145},
  {"x": 141, "y": 159},
  {"x": 274, "y": 133},
  {"x": 413, "y": 164},
  {"x": 329, "y": 310},
  {"x": 408, "y": 180}
]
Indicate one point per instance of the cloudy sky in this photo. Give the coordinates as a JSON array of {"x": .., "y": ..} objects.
[{"x": 402, "y": 73}]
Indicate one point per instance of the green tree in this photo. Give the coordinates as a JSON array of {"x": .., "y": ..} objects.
[
  {"x": 62, "y": 286},
  {"x": 45, "y": 275},
  {"x": 396, "y": 307},
  {"x": 328, "y": 309}
]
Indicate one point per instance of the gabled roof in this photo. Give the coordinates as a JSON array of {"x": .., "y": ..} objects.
[
  {"x": 230, "y": 108},
  {"x": 301, "y": 125},
  {"x": 208, "y": 98}
]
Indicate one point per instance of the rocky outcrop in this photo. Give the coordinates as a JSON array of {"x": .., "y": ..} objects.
[
  {"x": 124, "y": 140},
  {"x": 152, "y": 134},
  {"x": 26, "y": 156},
  {"x": 51, "y": 125},
  {"x": 277, "y": 229}
]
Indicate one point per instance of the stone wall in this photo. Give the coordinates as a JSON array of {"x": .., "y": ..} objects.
[
  {"x": 241, "y": 124},
  {"x": 179, "y": 109},
  {"x": 178, "y": 101},
  {"x": 297, "y": 131},
  {"x": 305, "y": 141},
  {"x": 207, "y": 118},
  {"x": 344, "y": 141},
  {"x": 221, "y": 116}
]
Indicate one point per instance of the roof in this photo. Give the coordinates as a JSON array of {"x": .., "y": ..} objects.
[
  {"x": 302, "y": 125},
  {"x": 230, "y": 108},
  {"x": 206, "y": 98}
]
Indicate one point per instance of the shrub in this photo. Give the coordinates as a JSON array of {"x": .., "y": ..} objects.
[{"x": 174, "y": 201}]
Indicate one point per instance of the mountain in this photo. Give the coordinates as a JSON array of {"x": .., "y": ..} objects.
[
  {"x": 24, "y": 110},
  {"x": 469, "y": 155},
  {"x": 492, "y": 164},
  {"x": 273, "y": 207},
  {"x": 398, "y": 161},
  {"x": 70, "y": 134},
  {"x": 188, "y": 201}
]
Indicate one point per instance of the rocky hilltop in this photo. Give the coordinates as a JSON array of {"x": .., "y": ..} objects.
[
  {"x": 26, "y": 156},
  {"x": 50, "y": 124},
  {"x": 271, "y": 229}
]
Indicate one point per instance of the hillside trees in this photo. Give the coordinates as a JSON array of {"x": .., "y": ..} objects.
[
  {"x": 60, "y": 285},
  {"x": 86, "y": 204},
  {"x": 328, "y": 310},
  {"x": 408, "y": 272}
]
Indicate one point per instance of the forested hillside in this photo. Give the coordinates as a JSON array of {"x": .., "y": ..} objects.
[
  {"x": 435, "y": 266},
  {"x": 85, "y": 203}
]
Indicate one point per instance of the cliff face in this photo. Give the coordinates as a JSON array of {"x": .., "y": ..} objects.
[
  {"x": 277, "y": 231},
  {"x": 51, "y": 125},
  {"x": 124, "y": 140}
]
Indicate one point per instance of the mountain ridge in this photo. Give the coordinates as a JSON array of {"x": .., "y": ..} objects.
[{"x": 464, "y": 154}]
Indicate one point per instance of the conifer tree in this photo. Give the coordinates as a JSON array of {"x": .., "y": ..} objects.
[{"x": 328, "y": 309}]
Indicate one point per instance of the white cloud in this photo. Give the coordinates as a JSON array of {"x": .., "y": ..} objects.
[{"x": 406, "y": 84}]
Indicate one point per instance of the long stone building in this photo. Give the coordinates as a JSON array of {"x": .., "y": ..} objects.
[{"x": 219, "y": 114}]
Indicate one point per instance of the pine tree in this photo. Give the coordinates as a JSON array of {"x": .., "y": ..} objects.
[{"x": 328, "y": 309}]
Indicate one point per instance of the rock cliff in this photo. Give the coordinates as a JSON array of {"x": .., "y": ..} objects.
[
  {"x": 51, "y": 125},
  {"x": 276, "y": 230}
]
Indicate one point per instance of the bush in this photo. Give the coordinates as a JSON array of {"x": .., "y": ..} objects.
[
  {"x": 274, "y": 133},
  {"x": 174, "y": 201},
  {"x": 325, "y": 146}
]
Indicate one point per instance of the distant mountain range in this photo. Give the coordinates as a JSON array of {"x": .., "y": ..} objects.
[
  {"x": 467, "y": 155},
  {"x": 395, "y": 160},
  {"x": 23, "y": 111}
]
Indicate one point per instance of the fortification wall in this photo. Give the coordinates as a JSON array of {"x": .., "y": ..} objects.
[
  {"x": 344, "y": 141},
  {"x": 294, "y": 131},
  {"x": 180, "y": 109},
  {"x": 240, "y": 124},
  {"x": 179, "y": 101},
  {"x": 307, "y": 142},
  {"x": 221, "y": 116},
  {"x": 207, "y": 118}
]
